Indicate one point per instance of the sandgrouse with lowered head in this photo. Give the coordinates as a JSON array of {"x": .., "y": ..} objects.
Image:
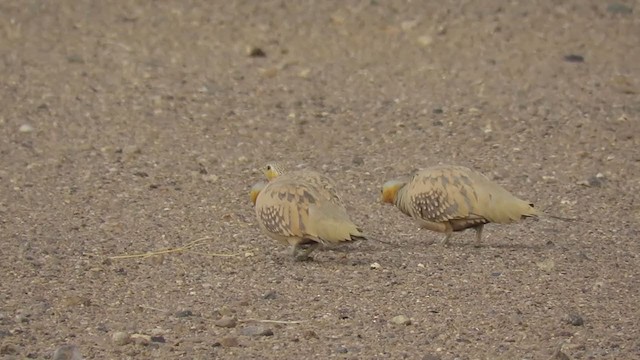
[
  {"x": 296, "y": 208},
  {"x": 450, "y": 198}
]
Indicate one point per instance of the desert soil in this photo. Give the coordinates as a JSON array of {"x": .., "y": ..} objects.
[{"x": 131, "y": 127}]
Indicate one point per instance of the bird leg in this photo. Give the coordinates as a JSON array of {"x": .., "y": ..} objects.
[
  {"x": 448, "y": 230},
  {"x": 300, "y": 254},
  {"x": 446, "y": 239},
  {"x": 479, "y": 234}
]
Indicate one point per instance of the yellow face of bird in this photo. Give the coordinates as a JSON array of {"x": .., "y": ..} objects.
[
  {"x": 390, "y": 190},
  {"x": 273, "y": 170},
  {"x": 255, "y": 191}
]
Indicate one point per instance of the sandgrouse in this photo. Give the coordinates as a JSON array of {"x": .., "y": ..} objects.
[
  {"x": 450, "y": 198},
  {"x": 302, "y": 208}
]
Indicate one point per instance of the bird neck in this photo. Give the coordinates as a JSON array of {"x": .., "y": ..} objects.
[{"x": 401, "y": 200}]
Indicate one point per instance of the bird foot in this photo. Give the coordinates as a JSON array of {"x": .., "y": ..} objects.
[
  {"x": 445, "y": 241},
  {"x": 301, "y": 253}
]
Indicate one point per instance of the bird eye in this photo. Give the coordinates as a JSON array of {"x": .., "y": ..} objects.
[{"x": 268, "y": 167}]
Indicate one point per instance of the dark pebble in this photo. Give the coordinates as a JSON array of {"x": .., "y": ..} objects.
[
  {"x": 270, "y": 295},
  {"x": 310, "y": 334},
  {"x": 226, "y": 322},
  {"x": 158, "y": 339},
  {"x": 228, "y": 342},
  {"x": 574, "y": 58},
  {"x": 257, "y": 52},
  {"x": 75, "y": 59},
  {"x": 342, "y": 350},
  {"x": 616, "y": 8},
  {"x": 141, "y": 174},
  {"x": 184, "y": 313},
  {"x": 595, "y": 181},
  {"x": 575, "y": 319}
]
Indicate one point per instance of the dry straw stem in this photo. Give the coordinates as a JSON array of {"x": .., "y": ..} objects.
[{"x": 186, "y": 248}]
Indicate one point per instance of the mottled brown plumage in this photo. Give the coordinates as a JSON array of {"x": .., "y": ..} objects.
[
  {"x": 324, "y": 185},
  {"x": 295, "y": 211},
  {"x": 450, "y": 198}
]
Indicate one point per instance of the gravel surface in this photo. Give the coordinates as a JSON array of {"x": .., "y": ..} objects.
[{"x": 130, "y": 128}]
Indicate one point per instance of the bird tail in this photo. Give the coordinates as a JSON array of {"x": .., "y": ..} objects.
[
  {"x": 360, "y": 236},
  {"x": 363, "y": 236},
  {"x": 540, "y": 213}
]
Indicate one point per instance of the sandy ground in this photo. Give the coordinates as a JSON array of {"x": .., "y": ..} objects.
[{"x": 129, "y": 128}]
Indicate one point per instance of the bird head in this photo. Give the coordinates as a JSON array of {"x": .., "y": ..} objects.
[
  {"x": 390, "y": 190},
  {"x": 273, "y": 170},
  {"x": 255, "y": 191}
]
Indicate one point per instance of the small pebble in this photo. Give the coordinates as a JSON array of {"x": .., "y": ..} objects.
[
  {"x": 401, "y": 320},
  {"x": 574, "y": 58},
  {"x": 22, "y": 318},
  {"x": 256, "y": 52},
  {"x": 425, "y": 40},
  {"x": 269, "y": 72},
  {"x": 25, "y": 128},
  {"x": 375, "y": 265},
  {"x": 210, "y": 178},
  {"x": 184, "y": 313},
  {"x": 270, "y": 295},
  {"x": 549, "y": 179},
  {"x": 575, "y": 319},
  {"x": 304, "y": 73},
  {"x": 342, "y": 350},
  {"x": 616, "y": 8},
  {"x": 120, "y": 338},
  {"x": 131, "y": 149},
  {"x": 158, "y": 339},
  {"x": 594, "y": 181},
  {"x": 546, "y": 265},
  {"x": 75, "y": 59},
  {"x": 310, "y": 334},
  {"x": 226, "y": 311},
  {"x": 67, "y": 352},
  {"x": 141, "y": 339},
  {"x": 226, "y": 322},
  {"x": 256, "y": 330},
  {"x": 229, "y": 341}
]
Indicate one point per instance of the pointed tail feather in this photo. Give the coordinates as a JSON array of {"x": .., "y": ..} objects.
[{"x": 369, "y": 237}]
